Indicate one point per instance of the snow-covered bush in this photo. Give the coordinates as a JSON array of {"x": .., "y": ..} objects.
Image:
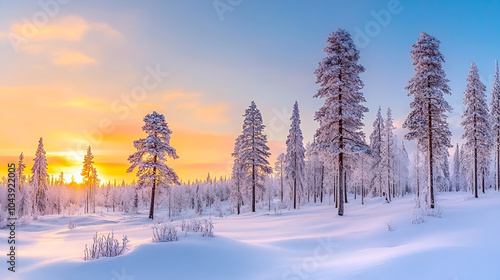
[
  {"x": 418, "y": 213},
  {"x": 164, "y": 233},
  {"x": 71, "y": 224},
  {"x": 208, "y": 228},
  {"x": 105, "y": 246},
  {"x": 434, "y": 212},
  {"x": 390, "y": 227},
  {"x": 195, "y": 225}
]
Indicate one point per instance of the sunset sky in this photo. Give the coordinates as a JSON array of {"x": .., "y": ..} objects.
[{"x": 72, "y": 73}]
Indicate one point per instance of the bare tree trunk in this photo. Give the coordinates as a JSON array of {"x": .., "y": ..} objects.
[
  {"x": 153, "y": 190},
  {"x": 418, "y": 175},
  {"x": 431, "y": 175},
  {"x": 253, "y": 187},
  {"x": 482, "y": 182},
  {"x": 497, "y": 186},
  {"x": 281, "y": 181},
  {"x": 345, "y": 186},
  {"x": 322, "y": 178}
]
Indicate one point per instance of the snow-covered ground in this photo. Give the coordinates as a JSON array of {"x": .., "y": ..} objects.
[{"x": 310, "y": 243}]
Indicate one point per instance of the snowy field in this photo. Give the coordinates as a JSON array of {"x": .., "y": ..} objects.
[{"x": 311, "y": 243}]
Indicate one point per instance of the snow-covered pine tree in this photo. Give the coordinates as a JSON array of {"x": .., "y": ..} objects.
[
  {"x": 387, "y": 154},
  {"x": 20, "y": 177},
  {"x": 405, "y": 166},
  {"x": 238, "y": 176},
  {"x": 427, "y": 121},
  {"x": 39, "y": 181},
  {"x": 456, "y": 169},
  {"x": 465, "y": 174},
  {"x": 23, "y": 196},
  {"x": 87, "y": 176},
  {"x": 340, "y": 118},
  {"x": 254, "y": 150},
  {"x": 476, "y": 124},
  {"x": 279, "y": 167},
  {"x": 295, "y": 152},
  {"x": 152, "y": 152},
  {"x": 495, "y": 123},
  {"x": 376, "y": 148}
]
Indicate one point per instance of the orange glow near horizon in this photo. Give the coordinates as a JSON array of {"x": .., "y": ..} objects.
[{"x": 71, "y": 84}]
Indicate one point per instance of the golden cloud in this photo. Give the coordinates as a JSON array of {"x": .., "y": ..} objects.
[{"x": 72, "y": 57}]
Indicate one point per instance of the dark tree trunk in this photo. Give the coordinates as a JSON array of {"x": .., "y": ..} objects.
[
  {"x": 431, "y": 175},
  {"x": 345, "y": 187},
  {"x": 322, "y": 177},
  {"x": 253, "y": 188},
  {"x": 153, "y": 191}
]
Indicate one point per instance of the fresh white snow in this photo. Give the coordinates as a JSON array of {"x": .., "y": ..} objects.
[{"x": 310, "y": 243}]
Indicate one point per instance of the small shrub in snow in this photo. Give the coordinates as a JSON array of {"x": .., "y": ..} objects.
[
  {"x": 418, "y": 213},
  {"x": 71, "y": 224},
  {"x": 196, "y": 225},
  {"x": 208, "y": 228},
  {"x": 390, "y": 227},
  {"x": 436, "y": 212},
  {"x": 105, "y": 246},
  {"x": 164, "y": 233}
]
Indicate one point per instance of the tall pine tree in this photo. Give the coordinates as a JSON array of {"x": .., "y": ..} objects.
[
  {"x": 39, "y": 181},
  {"x": 476, "y": 124},
  {"x": 254, "y": 150},
  {"x": 152, "y": 153},
  {"x": 376, "y": 148},
  {"x": 495, "y": 123},
  {"x": 427, "y": 121},
  {"x": 388, "y": 154},
  {"x": 295, "y": 152},
  {"x": 238, "y": 176},
  {"x": 340, "y": 118}
]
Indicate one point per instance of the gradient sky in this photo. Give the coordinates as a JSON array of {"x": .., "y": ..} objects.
[{"x": 80, "y": 65}]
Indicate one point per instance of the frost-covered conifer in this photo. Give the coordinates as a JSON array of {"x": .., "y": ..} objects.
[
  {"x": 238, "y": 176},
  {"x": 254, "y": 150},
  {"x": 279, "y": 167},
  {"x": 495, "y": 124},
  {"x": 340, "y": 118},
  {"x": 427, "y": 121},
  {"x": 39, "y": 181},
  {"x": 388, "y": 154},
  {"x": 477, "y": 128},
  {"x": 152, "y": 153},
  {"x": 376, "y": 148},
  {"x": 295, "y": 152}
]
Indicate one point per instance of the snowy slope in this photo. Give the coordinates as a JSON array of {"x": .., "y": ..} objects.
[{"x": 310, "y": 243}]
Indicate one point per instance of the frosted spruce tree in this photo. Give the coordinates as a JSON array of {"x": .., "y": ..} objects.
[
  {"x": 376, "y": 148},
  {"x": 40, "y": 181},
  {"x": 238, "y": 175},
  {"x": 87, "y": 178},
  {"x": 340, "y": 118},
  {"x": 427, "y": 121},
  {"x": 20, "y": 177},
  {"x": 477, "y": 128},
  {"x": 254, "y": 150},
  {"x": 295, "y": 152},
  {"x": 404, "y": 172},
  {"x": 279, "y": 167},
  {"x": 495, "y": 124},
  {"x": 23, "y": 197},
  {"x": 152, "y": 153},
  {"x": 388, "y": 154}
]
